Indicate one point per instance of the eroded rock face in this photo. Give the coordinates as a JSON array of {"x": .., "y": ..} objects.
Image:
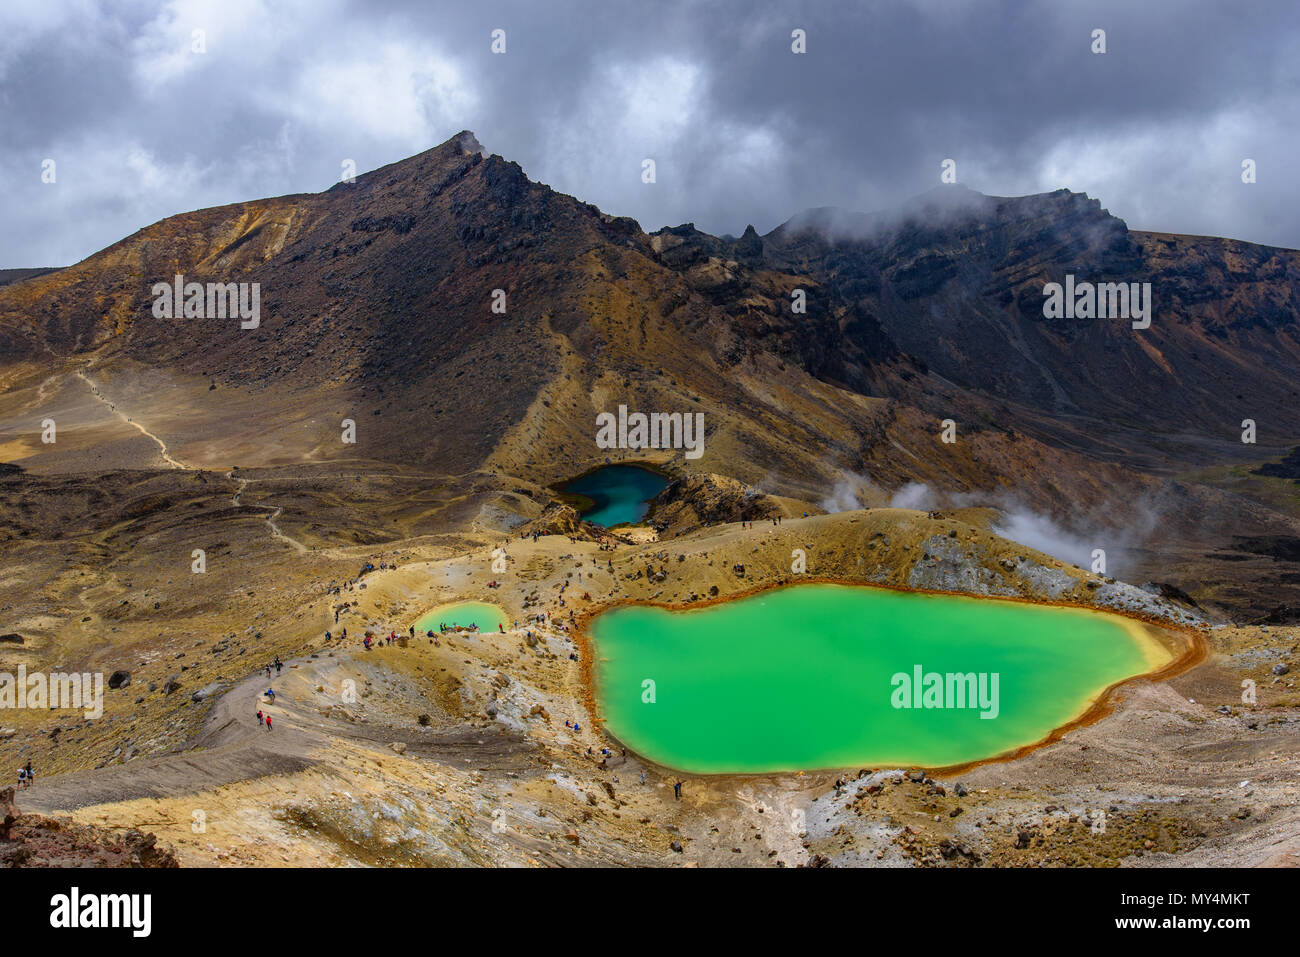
[
  {"x": 32, "y": 840},
  {"x": 955, "y": 281},
  {"x": 8, "y": 812},
  {"x": 699, "y": 499},
  {"x": 559, "y": 519}
]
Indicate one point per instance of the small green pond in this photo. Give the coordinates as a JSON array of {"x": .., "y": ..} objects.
[{"x": 464, "y": 613}]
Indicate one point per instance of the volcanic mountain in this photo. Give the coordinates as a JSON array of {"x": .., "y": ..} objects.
[{"x": 830, "y": 350}]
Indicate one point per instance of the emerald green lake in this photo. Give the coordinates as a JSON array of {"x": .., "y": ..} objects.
[
  {"x": 619, "y": 494},
  {"x": 813, "y": 676},
  {"x": 464, "y": 613}
]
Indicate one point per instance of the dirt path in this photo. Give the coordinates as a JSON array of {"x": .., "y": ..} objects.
[
  {"x": 129, "y": 421},
  {"x": 274, "y": 512},
  {"x": 270, "y": 519},
  {"x": 232, "y": 746}
]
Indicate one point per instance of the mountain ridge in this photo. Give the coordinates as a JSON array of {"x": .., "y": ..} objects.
[{"x": 377, "y": 302}]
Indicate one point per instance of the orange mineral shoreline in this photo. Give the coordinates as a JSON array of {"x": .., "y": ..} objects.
[{"x": 1188, "y": 647}]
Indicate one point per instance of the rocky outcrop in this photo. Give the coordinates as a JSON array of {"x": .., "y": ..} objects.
[
  {"x": 561, "y": 519},
  {"x": 700, "y": 499},
  {"x": 33, "y": 840}
]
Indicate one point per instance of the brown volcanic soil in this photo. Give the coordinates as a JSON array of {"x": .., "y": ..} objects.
[
  {"x": 176, "y": 435},
  {"x": 327, "y": 785}
]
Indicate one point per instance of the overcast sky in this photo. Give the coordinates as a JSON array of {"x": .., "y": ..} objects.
[{"x": 742, "y": 129}]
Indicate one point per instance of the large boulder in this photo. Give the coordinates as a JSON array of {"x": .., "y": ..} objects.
[
  {"x": 206, "y": 691},
  {"x": 119, "y": 679}
]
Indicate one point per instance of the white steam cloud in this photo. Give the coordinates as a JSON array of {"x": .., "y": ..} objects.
[
  {"x": 913, "y": 495},
  {"x": 1072, "y": 542},
  {"x": 852, "y": 492}
]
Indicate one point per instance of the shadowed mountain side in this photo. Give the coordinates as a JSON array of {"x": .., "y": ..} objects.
[{"x": 379, "y": 292}]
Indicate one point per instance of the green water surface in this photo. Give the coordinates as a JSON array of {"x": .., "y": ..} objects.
[
  {"x": 464, "y": 613},
  {"x": 801, "y": 678}
]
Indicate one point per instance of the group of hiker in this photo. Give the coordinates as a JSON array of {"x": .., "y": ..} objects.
[
  {"x": 26, "y": 776},
  {"x": 263, "y": 719},
  {"x": 606, "y": 753},
  {"x": 370, "y": 640},
  {"x": 356, "y": 583}
]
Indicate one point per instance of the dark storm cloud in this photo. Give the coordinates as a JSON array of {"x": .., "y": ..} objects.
[{"x": 741, "y": 129}]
